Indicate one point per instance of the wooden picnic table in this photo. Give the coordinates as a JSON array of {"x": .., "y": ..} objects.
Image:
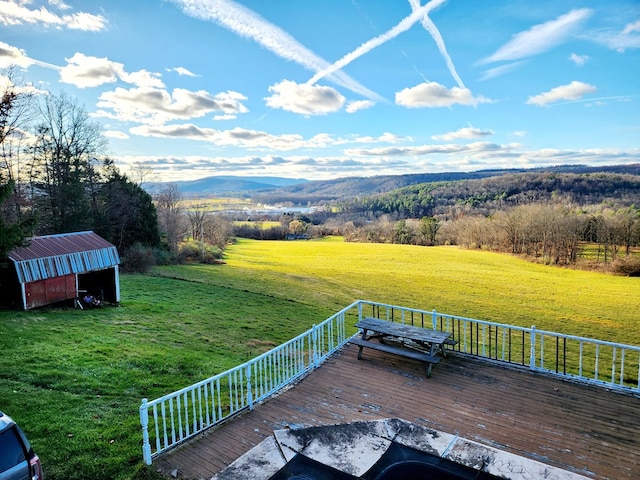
[{"x": 417, "y": 343}]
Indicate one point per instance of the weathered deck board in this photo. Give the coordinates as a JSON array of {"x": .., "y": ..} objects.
[{"x": 582, "y": 428}]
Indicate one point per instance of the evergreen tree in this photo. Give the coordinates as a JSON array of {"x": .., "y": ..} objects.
[
  {"x": 11, "y": 234},
  {"x": 127, "y": 214}
]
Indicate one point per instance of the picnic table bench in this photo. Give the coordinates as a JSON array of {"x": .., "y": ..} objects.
[{"x": 415, "y": 343}]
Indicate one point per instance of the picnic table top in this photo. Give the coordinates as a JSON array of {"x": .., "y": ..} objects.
[{"x": 403, "y": 330}]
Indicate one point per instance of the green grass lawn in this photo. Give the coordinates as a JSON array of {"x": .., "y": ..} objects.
[{"x": 74, "y": 378}]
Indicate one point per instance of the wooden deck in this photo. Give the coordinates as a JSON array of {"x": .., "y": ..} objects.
[{"x": 581, "y": 428}]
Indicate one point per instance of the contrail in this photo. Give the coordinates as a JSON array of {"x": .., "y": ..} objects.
[
  {"x": 249, "y": 24},
  {"x": 404, "y": 25},
  {"x": 430, "y": 27}
]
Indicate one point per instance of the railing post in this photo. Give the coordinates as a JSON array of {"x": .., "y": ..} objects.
[
  {"x": 434, "y": 319},
  {"x": 249, "y": 391},
  {"x": 314, "y": 338},
  {"x": 144, "y": 421},
  {"x": 532, "y": 355},
  {"x": 359, "y": 310}
]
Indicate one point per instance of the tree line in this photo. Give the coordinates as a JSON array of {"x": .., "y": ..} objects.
[
  {"x": 56, "y": 176},
  {"x": 500, "y": 192}
]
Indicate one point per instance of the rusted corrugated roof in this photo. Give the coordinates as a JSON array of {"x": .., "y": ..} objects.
[{"x": 55, "y": 255}]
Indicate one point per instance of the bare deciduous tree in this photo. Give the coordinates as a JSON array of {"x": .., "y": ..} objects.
[
  {"x": 65, "y": 165},
  {"x": 168, "y": 200}
]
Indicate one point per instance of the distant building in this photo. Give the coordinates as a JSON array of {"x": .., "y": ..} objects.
[{"x": 56, "y": 268}]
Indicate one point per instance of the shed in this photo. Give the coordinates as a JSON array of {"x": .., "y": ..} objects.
[{"x": 55, "y": 268}]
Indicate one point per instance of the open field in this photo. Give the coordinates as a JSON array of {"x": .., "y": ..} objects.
[
  {"x": 258, "y": 224},
  {"x": 217, "y": 204},
  {"x": 74, "y": 379}
]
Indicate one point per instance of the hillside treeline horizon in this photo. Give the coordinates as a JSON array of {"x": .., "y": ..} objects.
[{"x": 61, "y": 181}]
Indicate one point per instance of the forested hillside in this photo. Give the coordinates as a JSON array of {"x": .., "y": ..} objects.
[
  {"x": 342, "y": 189},
  {"x": 551, "y": 217},
  {"x": 500, "y": 192}
]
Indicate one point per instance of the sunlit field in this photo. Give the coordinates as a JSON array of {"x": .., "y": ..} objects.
[
  {"x": 74, "y": 379},
  {"x": 217, "y": 204},
  {"x": 470, "y": 283},
  {"x": 258, "y": 224}
]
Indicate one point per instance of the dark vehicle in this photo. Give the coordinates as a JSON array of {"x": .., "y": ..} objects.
[{"x": 17, "y": 459}]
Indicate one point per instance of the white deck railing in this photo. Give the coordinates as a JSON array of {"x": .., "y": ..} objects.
[
  {"x": 178, "y": 416},
  {"x": 173, "y": 418}
]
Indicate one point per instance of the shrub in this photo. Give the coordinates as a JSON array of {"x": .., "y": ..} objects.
[
  {"x": 138, "y": 259},
  {"x": 195, "y": 252},
  {"x": 164, "y": 257},
  {"x": 629, "y": 266}
]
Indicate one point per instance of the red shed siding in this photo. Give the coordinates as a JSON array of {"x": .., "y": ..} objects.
[{"x": 51, "y": 290}]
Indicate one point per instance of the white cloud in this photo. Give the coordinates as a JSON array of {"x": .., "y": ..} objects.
[
  {"x": 257, "y": 139},
  {"x": 10, "y": 55},
  {"x": 59, "y": 4},
  {"x": 85, "y": 71},
  {"x": 573, "y": 91},
  {"x": 432, "y": 94},
  {"x": 157, "y": 106},
  {"x": 248, "y": 24},
  {"x": 303, "y": 98},
  {"x": 172, "y": 168},
  {"x": 238, "y": 137},
  {"x": 476, "y": 148},
  {"x": 464, "y": 133},
  {"x": 17, "y": 12},
  {"x": 142, "y": 78},
  {"x": 632, "y": 28},
  {"x": 115, "y": 134},
  {"x": 501, "y": 70},
  {"x": 182, "y": 71},
  {"x": 386, "y": 137},
  {"x": 628, "y": 37},
  {"x": 353, "y": 107},
  {"x": 474, "y": 157},
  {"x": 540, "y": 38},
  {"x": 579, "y": 60}
]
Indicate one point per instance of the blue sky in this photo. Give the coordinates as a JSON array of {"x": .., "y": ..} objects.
[{"x": 321, "y": 90}]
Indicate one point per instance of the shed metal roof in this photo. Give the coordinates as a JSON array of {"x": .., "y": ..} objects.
[{"x": 56, "y": 255}]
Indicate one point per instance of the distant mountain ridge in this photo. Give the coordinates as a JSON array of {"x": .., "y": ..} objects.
[
  {"x": 353, "y": 187},
  {"x": 298, "y": 190},
  {"x": 231, "y": 185}
]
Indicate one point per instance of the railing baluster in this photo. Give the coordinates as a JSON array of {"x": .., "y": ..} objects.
[
  {"x": 613, "y": 366},
  {"x": 156, "y": 425},
  {"x": 581, "y": 358},
  {"x": 564, "y": 356},
  {"x": 173, "y": 427},
  {"x": 179, "y": 408},
  {"x": 164, "y": 425}
]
